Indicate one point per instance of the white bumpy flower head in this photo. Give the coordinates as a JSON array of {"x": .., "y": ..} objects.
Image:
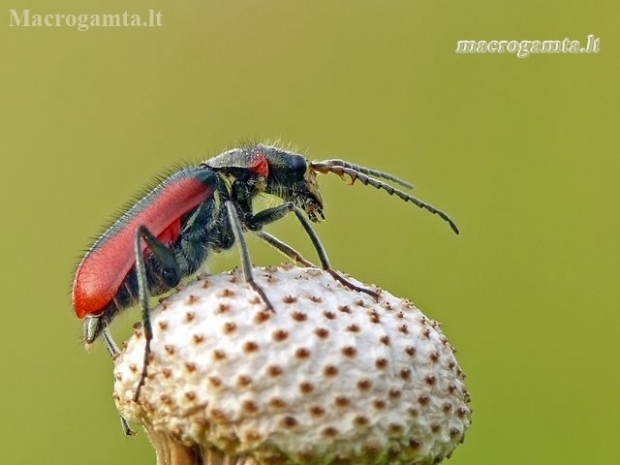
[{"x": 332, "y": 376}]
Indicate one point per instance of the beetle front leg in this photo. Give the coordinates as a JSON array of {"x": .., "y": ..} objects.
[
  {"x": 270, "y": 215},
  {"x": 285, "y": 249}
]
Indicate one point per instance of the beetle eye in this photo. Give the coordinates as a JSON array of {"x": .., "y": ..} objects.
[
  {"x": 286, "y": 169},
  {"x": 297, "y": 165}
]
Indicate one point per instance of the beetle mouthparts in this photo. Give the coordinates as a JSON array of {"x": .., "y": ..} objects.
[{"x": 312, "y": 208}]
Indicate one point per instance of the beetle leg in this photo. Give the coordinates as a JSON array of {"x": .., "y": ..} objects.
[
  {"x": 172, "y": 277},
  {"x": 285, "y": 249},
  {"x": 126, "y": 428},
  {"x": 246, "y": 263},
  {"x": 270, "y": 215},
  {"x": 95, "y": 322},
  {"x": 109, "y": 343}
]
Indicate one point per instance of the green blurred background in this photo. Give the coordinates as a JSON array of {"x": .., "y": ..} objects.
[{"x": 523, "y": 153}]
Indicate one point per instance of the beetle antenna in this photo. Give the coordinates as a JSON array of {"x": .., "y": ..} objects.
[
  {"x": 356, "y": 174},
  {"x": 364, "y": 170}
]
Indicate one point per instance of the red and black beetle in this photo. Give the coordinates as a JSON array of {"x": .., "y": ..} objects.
[{"x": 167, "y": 234}]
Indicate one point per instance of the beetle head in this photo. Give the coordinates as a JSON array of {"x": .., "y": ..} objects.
[{"x": 292, "y": 178}]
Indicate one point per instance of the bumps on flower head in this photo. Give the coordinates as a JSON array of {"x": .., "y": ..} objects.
[{"x": 331, "y": 376}]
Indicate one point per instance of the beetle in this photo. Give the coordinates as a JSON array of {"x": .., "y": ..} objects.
[{"x": 197, "y": 210}]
